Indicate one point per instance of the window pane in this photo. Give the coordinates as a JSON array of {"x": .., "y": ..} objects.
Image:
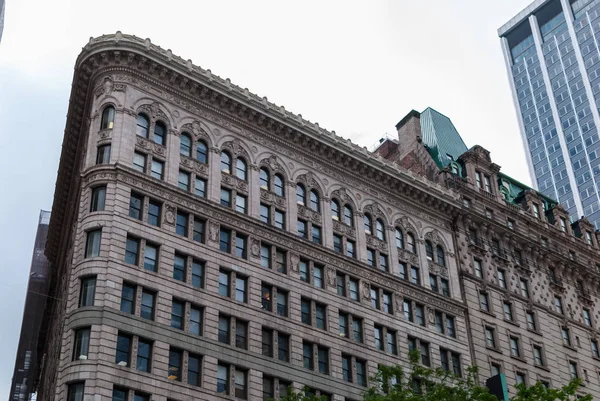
[
  {"x": 202, "y": 152},
  {"x": 157, "y": 169},
  {"x": 139, "y": 162},
  {"x": 98, "y": 199},
  {"x": 185, "y": 145},
  {"x": 88, "y": 292},
  {"x": 92, "y": 246},
  {"x": 200, "y": 187}
]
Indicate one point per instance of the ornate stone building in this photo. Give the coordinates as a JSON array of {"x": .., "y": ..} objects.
[{"x": 208, "y": 244}]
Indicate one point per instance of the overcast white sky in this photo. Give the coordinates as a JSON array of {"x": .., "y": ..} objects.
[{"x": 354, "y": 67}]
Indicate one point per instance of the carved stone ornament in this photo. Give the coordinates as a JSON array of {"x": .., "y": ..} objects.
[
  {"x": 331, "y": 276},
  {"x": 273, "y": 164},
  {"x": 234, "y": 182},
  {"x": 294, "y": 260},
  {"x": 104, "y": 134},
  {"x": 344, "y": 229},
  {"x": 376, "y": 243},
  {"x": 213, "y": 231},
  {"x": 374, "y": 209},
  {"x": 195, "y": 165},
  {"x": 444, "y": 271},
  {"x": 154, "y": 111},
  {"x": 342, "y": 195},
  {"x": 309, "y": 214},
  {"x": 195, "y": 129},
  {"x": 431, "y": 315},
  {"x": 309, "y": 179},
  {"x": 255, "y": 247},
  {"x": 236, "y": 148},
  {"x": 160, "y": 150},
  {"x": 366, "y": 290},
  {"x": 170, "y": 214}
]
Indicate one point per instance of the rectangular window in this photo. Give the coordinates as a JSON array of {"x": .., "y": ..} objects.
[
  {"x": 483, "y": 301},
  {"x": 320, "y": 316},
  {"x": 378, "y": 334},
  {"x": 392, "y": 348},
  {"x": 135, "y": 206},
  {"x": 524, "y": 288},
  {"x": 340, "y": 284},
  {"x": 144, "y": 355},
  {"x": 531, "y": 323},
  {"x": 87, "y": 292},
  {"x": 75, "y": 392},
  {"x": 150, "y": 257},
  {"x": 323, "y": 354},
  {"x": 337, "y": 243},
  {"x": 241, "y": 284},
  {"x": 224, "y": 283},
  {"x": 344, "y": 328},
  {"x": 175, "y": 362},
  {"x": 179, "y": 267},
  {"x": 361, "y": 373},
  {"x": 240, "y": 384},
  {"x": 98, "y": 199},
  {"x": 225, "y": 240},
  {"x": 318, "y": 276},
  {"x": 280, "y": 261},
  {"x": 241, "y": 334},
  {"x": 387, "y": 302},
  {"x": 537, "y": 355},
  {"x": 490, "y": 338},
  {"x": 199, "y": 228},
  {"x": 415, "y": 278},
  {"x": 514, "y": 347},
  {"x": 433, "y": 283},
  {"x": 408, "y": 313},
  {"x": 157, "y": 168},
  {"x": 128, "y": 298},
  {"x": 595, "y": 349},
  {"x": 282, "y": 308},
  {"x": 420, "y": 314},
  {"x": 587, "y": 319},
  {"x": 507, "y": 307},
  {"x": 225, "y": 197},
  {"x": 370, "y": 257},
  {"x": 558, "y": 305},
  {"x": 566, "y": 336},
  {"x": 445, "y": 287},
  {"x": 353, "y": 286},
  {"x": 283, "y": 347},
  {"x": 200, "y": 187},
  {"x": 479, "y": 269},
  {"x": 265, "y": 214},
  {"x": 147, "y": 309},
  {"x": 383, "y": 262},
  {"x": 450, "y": 328},
  {"x": 267, "y": 342},
  {"x": 103, "y": 155},
  {"x": 196, "y": 320},
  {"x": 224, "y": 329},
  {"x": 139, "y": 162},
  {"x": 119, "y": 394},
  {"x": 222, "y": 378},
  {"x": 197, "y": 274},
  {"x": 316, "y": 234},
  {"x": 402, "y": 271},
  {"x": 347, "y": 368},
  {"x": 439, "y": 322},
  {"x": 350, "y": 249},
  {"x": 240, "y": 246},
  {"x": 501, "y": 278},
  {"x": 357, "y": 330},
  {"x": 81, "y": 344},
  {"x": 181, "y": 226},
  {"x": 307, "y": 355},
  {"x": 194, "y": 370},
  {"x": 131, "y": 250},
  {"x": 177, "y": 310},
  {"x": 92, "y": 243},
  {"x": 240, "y": 204},
  {"x": 154, "y": 209},
  {"x": 424, "y": 347},
  {"x": 302, "y": 229},
  {"x": 279, "y": 219},
  {"x": 375, "y": 297},
  {"x": 305, "y": 310},
  {"x": 184, "y": 180}
]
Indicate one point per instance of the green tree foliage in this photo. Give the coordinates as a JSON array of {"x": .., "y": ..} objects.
[{"x": 420, "y": 383}]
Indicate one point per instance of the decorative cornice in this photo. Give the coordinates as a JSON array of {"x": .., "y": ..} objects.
[{"x": 195, "y": 84}]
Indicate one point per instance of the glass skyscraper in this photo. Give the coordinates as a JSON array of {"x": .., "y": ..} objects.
[{"x": 552, "y": 54}]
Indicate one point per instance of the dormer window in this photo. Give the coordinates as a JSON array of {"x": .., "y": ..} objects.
[
  {"x": 563, "y": 224},
  {"x": 488, "y": 183},
  {"x": 535, "y": 208},
  {"x": 478, "y": 180},
  {"x": 588, "y": 237}
]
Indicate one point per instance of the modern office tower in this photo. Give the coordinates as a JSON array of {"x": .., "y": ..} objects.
[
  {"x": 551, "y": 50},
  {"x": 208, "y": 244},
  {"x": 27, "y": 360}
]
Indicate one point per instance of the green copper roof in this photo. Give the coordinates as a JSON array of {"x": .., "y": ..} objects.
[
  {"x": 441, "y": 138},
  {"x": 444, "y": 144}
]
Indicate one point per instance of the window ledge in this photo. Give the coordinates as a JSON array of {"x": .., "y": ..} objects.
[
  {"x": 518, "y": 358},
  {"x": 539, "y": 333},
  {"x": 498, "y": 350},
  {"x": 570, "y": 347},
  {"x": 492, "y": 314}
]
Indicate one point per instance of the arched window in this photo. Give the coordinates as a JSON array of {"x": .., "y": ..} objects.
[
  {"x": 264, "y": 179},
  {"x": 241, "y": 169},
  {"x": 278, "y": 185},
  {"x": 399, "y": 239},
  {"x": 410, "y": 243},
  {"x": 142, "y": 125},
  {"x": 202, "y": 152},
  {"x": 380, "y": 227},
  {"x": 335, "y": 210},
  {"x": 300, "y": 194},
  {"x": 368, "y": 224},
  {"x": 428, "y": 250},
  {"x": 314, "y": 201},
  {"x": 348, "y": 216},
  {"x": 225, "y": 162},
  {"x": 441, "y": 259},
  {"x": 108, "y": 118},
  {"x": 185, "y": 145},
  {"x": 160, "y": 133}
]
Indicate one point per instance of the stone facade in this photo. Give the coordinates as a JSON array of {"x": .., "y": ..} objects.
[{"x": 183, "y": 230}]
